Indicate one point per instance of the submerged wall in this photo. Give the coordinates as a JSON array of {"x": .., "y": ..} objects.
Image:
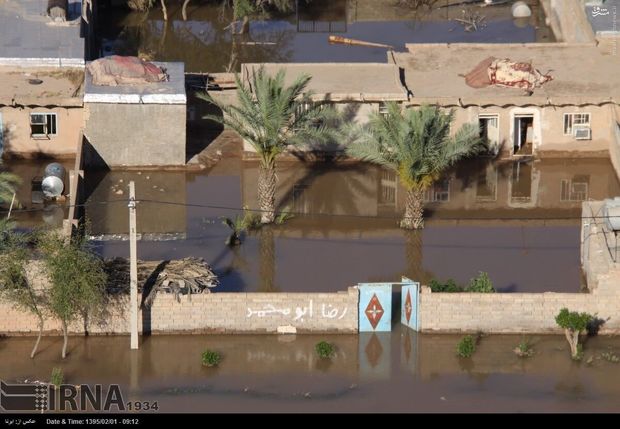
[
  {"x": 548, "y": 135},
  {"x": 212, "y": 313},
  {"x": 535, "y": 312}
]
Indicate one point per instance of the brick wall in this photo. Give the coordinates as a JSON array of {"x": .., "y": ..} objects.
[
  {"x": 214, "y": 312},
  {"x": 533, "y": 312}
]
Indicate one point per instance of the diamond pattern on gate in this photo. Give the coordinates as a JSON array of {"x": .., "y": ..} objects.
[
  {"x": 374, "y": 311},
  {"x": 408, "y": 307}
]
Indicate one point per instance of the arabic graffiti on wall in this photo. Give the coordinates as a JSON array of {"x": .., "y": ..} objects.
[{"x": 299, "y": 313}]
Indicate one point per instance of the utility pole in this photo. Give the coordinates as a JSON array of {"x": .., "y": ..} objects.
[{"x": 133, "y": 268}]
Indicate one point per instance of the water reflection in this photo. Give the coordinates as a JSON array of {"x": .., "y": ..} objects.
[
  {"x": 30, "y": 210},
  {"x": 519, "y": 222},
  {"x": 205, "y": 42},
  {"x": 401, "y": 371}
]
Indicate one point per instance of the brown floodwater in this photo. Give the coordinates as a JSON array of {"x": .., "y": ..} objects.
[
  {"x": 31, "y": 212},
  {"x": 204, "y": 43},
  {"x": 519, "y": 221},
  {"x": 399, "y": 371}
]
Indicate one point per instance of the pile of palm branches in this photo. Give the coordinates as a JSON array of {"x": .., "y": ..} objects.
[
  {"x": 180, "y": 277},
  {"x": 472, "y": 21}
]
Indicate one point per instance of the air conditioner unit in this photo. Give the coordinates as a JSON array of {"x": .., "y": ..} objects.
[{"x": 582, "y": 133}]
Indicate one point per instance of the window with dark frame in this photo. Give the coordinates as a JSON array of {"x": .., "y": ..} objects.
[{"x": 43, "y": 125}]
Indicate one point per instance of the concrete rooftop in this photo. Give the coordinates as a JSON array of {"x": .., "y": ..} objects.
[
  {"x": 342, "y": 81},
  {"x": 59, "y": 87},
  {"x": 29, "y": 37},
  {"x": 581, "y": 74},
  {"x": 170, "y": 92}
]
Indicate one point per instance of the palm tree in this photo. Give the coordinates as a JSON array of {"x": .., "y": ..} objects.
[
  {"x": 272, "y": 117},
  {"x": 417, "y": 145}
]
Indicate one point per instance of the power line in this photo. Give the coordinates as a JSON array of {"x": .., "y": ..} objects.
[{"x": 317, "y": 214}]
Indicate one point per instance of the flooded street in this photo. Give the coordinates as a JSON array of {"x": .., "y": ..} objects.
[
  {"x": 30, "y": 210},
  {"x": 398, "y": 371},
  {"x": 204, "y": 43},
  {"x": 520, "y": 222}
]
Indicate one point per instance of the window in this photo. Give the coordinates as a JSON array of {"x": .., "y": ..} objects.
[
  {"x": 575, "y": 189},
  {"x": 42, "y": 125},
  {"x": 438, "y": 193},
  {"x": 572, "y": 119}
]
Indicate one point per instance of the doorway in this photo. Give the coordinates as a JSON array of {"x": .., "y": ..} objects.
[{"x": 523, "y": 143}]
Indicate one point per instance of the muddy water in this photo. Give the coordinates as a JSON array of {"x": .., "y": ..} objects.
[
  {"x": 29, "y": 211},
  {"x": 205, "y": 44},
  {"x": 517, "y": 221},
  {"x": 398, "y": 371}
]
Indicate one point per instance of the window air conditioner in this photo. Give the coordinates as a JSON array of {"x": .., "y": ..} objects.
[{"x": 582, "y": 133}]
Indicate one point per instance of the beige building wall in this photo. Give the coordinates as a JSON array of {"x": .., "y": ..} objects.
[
  {"x": 356, "y": 112},
  {"x": 548, "y": 131},
  {"x": 18, "y": 141}
]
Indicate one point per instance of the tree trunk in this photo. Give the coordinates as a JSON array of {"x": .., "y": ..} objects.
[
  {"x": 573, "y": 341},
  {"x": 184, "y": 10},
  {"x": 36, "y": 345},
  {"x": 267, "y": 254},
  {"x": 163, "y": 8},
  {"x": 267, "y": 192},
  {"x": 65, "y": 339},
  {"x": 414, "y": 210}
]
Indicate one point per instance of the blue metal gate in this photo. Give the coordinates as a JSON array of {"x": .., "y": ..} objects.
[
  {"x": 375, "y": 307},
  {"x": 410, "y": 304}
]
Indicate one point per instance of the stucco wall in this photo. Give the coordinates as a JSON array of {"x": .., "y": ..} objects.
[
  {"x": 548, "y": 126},
  {"x": 18, "y": 142},
  {"x": 135, "y": 134},
  {"x": 214, "y": 312}
]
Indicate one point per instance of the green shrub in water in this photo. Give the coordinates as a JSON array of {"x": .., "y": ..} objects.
[
  {"x": 211, "y": 358},
  {"x": 324, "y": 349},
  {"x": 524, "y": 349},
  {"x": 466, "y": 347},
  {"x": 449, "y": 286},
  {"x": 482, "y": 284}
]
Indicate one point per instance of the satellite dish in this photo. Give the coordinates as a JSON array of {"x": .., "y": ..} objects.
[{"x": 53, "y": 180}]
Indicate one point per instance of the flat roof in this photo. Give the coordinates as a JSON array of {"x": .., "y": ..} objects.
[
  {"x": 169, "y": 92},
  {"x": 342, "y": 81},
  {"x": 58, "y": 87},
  {"x": 581, "y": 74},
  {"x": 28, "y": 37}
]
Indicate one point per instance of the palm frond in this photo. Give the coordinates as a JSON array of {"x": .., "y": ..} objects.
[{"x": 415, "y": 142}]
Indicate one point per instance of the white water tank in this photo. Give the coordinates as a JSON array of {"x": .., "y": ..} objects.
[
  {"x": 520, "y": 9},
  {"x": 53, "y": 180}
]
